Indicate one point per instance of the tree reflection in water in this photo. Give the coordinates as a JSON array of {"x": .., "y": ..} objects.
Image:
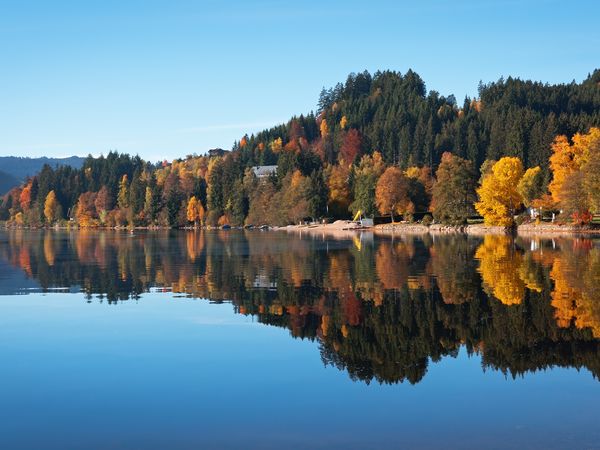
[{"x": 381, "y": 308}]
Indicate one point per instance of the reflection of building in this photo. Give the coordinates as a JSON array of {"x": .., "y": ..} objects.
[
  {"x": 263, "y": 282},
  {"x": 264, "y": 171}
]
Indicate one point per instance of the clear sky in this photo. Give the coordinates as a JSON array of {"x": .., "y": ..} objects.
[{"x": 168, "y": 78}]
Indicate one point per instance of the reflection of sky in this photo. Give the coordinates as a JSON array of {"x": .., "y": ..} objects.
[
  {"x": 14, "y": 281},
  {"x": 181, "y": 373}
]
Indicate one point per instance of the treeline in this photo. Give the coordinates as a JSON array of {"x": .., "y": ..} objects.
[{"x": 375, "y": 145}]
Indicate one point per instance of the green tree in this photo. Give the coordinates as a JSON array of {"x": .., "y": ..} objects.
[
  {"x": 123, "y": 196},
  {"x": 367, "y": 173},
  {"x": 531, "y": 186},
  {"x": 454, "y": 190}
]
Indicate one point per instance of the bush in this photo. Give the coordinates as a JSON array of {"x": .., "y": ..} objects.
[{"x": 427, "y": 220}]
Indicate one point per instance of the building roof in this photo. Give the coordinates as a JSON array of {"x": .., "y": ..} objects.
[{"x": 264, "y": 171}]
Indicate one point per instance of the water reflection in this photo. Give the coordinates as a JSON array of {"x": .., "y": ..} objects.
[{"x": 382, "y": 308}]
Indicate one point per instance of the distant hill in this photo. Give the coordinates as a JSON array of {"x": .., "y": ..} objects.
[
  {"x": 7, "y": 182},
  {"x": 15, "y": 169}
]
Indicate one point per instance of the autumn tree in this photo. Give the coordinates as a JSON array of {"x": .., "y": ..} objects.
[
  {"x": 567, "y": 162},
  {"x": 295, "y": 190},
  {"x": 25, "y": 197},
  {"x": 591, "y": 170},
  {"x": 51, "y": 208},
  {"x": 531, "y": 185},
  {"x": 277, "y": 145},
  {"x": 85, "y": 211},
  {"x": 193, "y": 212},
  {"x": 103, "y": 204},
  {"x": 574, "y": 199},
  {"x": 453, "y": 193},
  {"x": 420, "y": 187},
  {"x": 350, "y": 147},
  {"x": 499, "y": 198},
  {"x": 324, "y": 128},
  {"x": 343, "y": 122},
  {"x": 392, "y": 193},
  {"x": 564, "y": 161},
  {"x": 262, "y": 209}
]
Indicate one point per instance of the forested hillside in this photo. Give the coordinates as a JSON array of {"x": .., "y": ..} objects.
[
  {"x": 374, "y": 145},
  {"x": 395, "y": 115}
]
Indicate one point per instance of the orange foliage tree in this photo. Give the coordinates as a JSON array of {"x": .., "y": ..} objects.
[
  {"x": 85, "y": 211},
  {"x": 392, "y": 193},
  {"x": 25, "y": 197}
]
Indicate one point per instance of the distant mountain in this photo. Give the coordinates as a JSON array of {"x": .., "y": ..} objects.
[
  {"x": 15, "y": 169},
  {"x": 7, "y": 182}
]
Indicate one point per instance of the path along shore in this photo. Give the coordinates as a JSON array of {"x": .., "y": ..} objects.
[{"x": 348, "y": 228}]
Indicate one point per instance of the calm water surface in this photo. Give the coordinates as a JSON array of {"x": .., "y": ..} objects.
[{"x": 200, "y": 340}]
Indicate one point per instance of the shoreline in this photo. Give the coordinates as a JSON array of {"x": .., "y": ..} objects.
[
  {"x": 349, "y": 228},
  {"x": 439, "y": 229}
]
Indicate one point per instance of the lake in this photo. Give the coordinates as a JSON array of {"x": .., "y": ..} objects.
[{"x": 269, "y": 340}]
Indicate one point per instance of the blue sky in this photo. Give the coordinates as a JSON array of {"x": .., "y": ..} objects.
[{"x": 168, "y": 78}]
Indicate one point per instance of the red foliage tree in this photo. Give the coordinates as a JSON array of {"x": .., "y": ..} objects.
[{"x": 350, "y": 147}]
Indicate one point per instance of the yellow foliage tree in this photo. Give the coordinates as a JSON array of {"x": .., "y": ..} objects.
[
  {"x": 192, "y": 210},
  {"x": 413, "y": 172},
  {"x": 324, "y": 128},
  {"x": 343, "y": 122},
  {"x": 277, "y": 145},
  {"x": 499, "y": 197},
  {"x": 19, "y": 218},
  {"x": 51, "y": 208}
]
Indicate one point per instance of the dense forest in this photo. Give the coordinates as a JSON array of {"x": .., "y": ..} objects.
[
  {"x": 377, "y": 144},
  {"x": 381, "y": 309}
]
